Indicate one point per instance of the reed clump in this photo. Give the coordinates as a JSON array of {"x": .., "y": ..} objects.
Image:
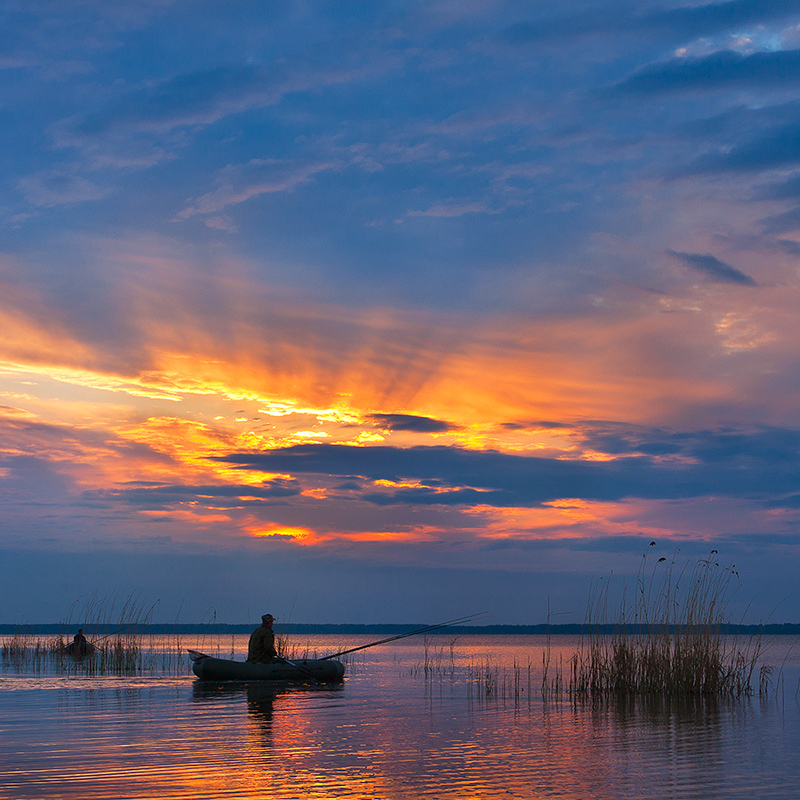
[
  {"x": 14, "y": 648},
  {"x": 670, "y": 639},
  {"x": 489, "y": 681},
  {"x": 118, "y": 652},
  {"x": 439, "y": 661},
  {"x": 114, "y": 648}
]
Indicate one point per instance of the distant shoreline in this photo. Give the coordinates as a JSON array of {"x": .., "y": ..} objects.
[{"x": 790, "y": 629}]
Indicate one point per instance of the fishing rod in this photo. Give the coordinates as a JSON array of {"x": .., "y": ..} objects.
[
  {"x": 427, "y": 629},
  {"x": 298, "y": 667},
  {"x": 115, "y": 633}
]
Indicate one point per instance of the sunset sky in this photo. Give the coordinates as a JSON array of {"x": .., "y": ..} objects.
[{"x": 397, "y": 311}]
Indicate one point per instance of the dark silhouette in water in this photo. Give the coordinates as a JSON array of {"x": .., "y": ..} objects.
[
  {"x": 264, "y": 699},
  {"x": 80, "y": 645},
  {"x": 260, "y": 705},
  {"x": 261, "y": 648}
]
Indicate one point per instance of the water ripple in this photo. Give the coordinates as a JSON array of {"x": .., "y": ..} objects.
[{"x": 385, "y": 733}]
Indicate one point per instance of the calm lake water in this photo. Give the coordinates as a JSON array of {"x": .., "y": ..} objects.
[{"x": 389, "y": 732}]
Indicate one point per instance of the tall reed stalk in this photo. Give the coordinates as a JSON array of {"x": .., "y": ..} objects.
[
  {"x": 667, "y": 639},
  {"x": 114, "y": 634}
]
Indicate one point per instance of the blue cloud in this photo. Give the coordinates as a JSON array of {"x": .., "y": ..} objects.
[
  {"x": 718, "y": 271},
  {"x": 759, "y": 447},
  {"x": 788, "y": 189},
  {"x": 784, "y": 223},
  {"x": 775, "y": 147},
  {"x": 410, "y": 422},
  {"x": 448, "y": 497},
  {"x": 469, "y": 477},
  {"x": 719, "y": 70},
  {"x": 189, "y": 99},
  {"x": 683, "y": 22},
  {"x": 166, "y": 496}
]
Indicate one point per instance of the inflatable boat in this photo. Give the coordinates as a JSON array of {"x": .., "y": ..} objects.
[{"x": 208, "y": 668}]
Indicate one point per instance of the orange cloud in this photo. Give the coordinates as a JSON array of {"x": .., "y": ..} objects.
[
  {"x": 569, "y": 518},
  {"x": 184, "y": 380},
  {"x": 193, "y": 516},
  {"x": 302, "y": 535},
  {"x": 641, "y": 361}
]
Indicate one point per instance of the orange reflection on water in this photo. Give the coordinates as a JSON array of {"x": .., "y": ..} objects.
[{"x": 389, "y": 732}]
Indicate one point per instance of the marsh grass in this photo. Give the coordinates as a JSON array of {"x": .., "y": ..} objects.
[
  {"x": 288, "y": 649},
  {"x": 112, "y": 629},
  {"x": 440, "y": 661},
  {"x": 123, "y": 648},
  {"x": 488, "y": 681},
  {"x": 21, "y": 652},
  {"x": 485, "y": 680},
  {"x": 667, "y": 639}
]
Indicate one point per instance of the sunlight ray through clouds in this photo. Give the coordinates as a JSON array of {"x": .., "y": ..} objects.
[{"x": 436, "y": 286}]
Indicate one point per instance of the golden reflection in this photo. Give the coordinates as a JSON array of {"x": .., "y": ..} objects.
[
  {"x": 300, "y": 744},
  {"x": 389, "y": 731}
]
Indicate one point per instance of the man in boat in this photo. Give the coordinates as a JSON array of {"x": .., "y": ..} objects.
[
  {"x": 261, "y": 648},
  {"x": 80, "y": 645}
]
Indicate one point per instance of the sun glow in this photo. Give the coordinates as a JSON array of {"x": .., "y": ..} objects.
[
  {"x": 195, "y": 390},
  {"x": 284, "y": 532}
]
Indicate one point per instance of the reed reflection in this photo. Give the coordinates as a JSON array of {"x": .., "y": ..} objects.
[
  {"x": 262, "y": 698},
  {"x": 674, "y": 742},
  {"x": 390, "y": 731}
]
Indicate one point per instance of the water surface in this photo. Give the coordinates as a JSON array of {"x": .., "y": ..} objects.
[{"x": 389, "y": 731}]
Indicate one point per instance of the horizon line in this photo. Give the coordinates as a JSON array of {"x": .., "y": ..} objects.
[{"x": 56, "y": 628}]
